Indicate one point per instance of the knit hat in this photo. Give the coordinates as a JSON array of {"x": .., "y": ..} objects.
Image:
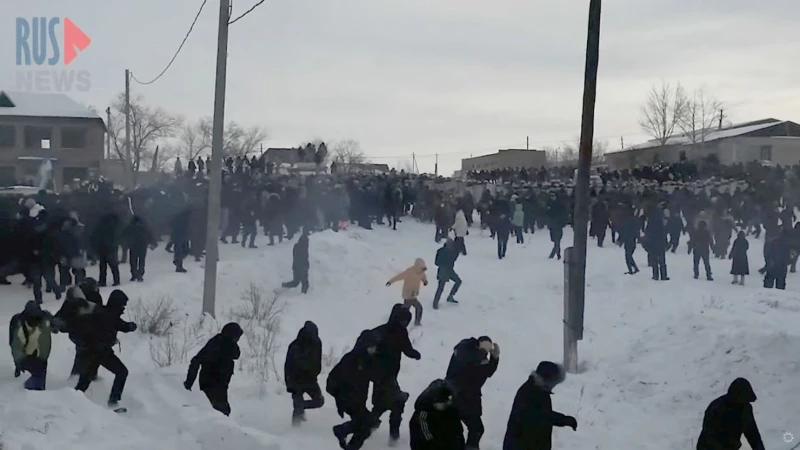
[{"x": 551, "y": 372}]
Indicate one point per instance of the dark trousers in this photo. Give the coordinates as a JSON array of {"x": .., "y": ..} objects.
[
  {"x": 387, "y": 396},
  {"x": 461, "y": 246},
  {"x": 35, "y": 274},
  {"x": 629, "y": 249},
  {"x": 409, "y": 302},
  {"x": 697, "y": 258},
  {"x": 440, "y": 288},
  {"x": 502, "y": 246},
  {"x": 360, "y": 426},
  {"x": 78, "y": 271},
  {"x": 137, "y": 259},
  {"x": 107, "y": 359},
  {"x": 180, "y": 253},
  {"x": 674, "y": 242},
  {"x": 108, "y": 258},
  {"x": 601, "y": 237},
  {"x": 518, "y": 234},
  {"x": 38, "y": 369},
  {"x": 776, "y": 277},
  {"x": 470, "y": 412},
  {"x": 659, "y": 265},
  {"x": 301, "y": 404},
  {"x": 219, "y": 399},
  {"x": 556, "y": 234},
  {"x": 300, "y": 277}
]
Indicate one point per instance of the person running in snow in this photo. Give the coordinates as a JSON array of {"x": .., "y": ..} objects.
[
  {"x": 435, "y": 424},
  {"x": 473, "y": 362},
  {"x": 412, "y": 278},
  {"x": 300, "y": 264},
  {"x": 30, "y": 341},
  {"x": 302, "y": 367},
  {"x": 530, "y": 424},
  {"x": 740, "y": 265},
  {"x": 729, "y": 417},
  {"x": 460, "y": 229},
  {"x": 393, "y": 342},
  {"x": 348, "y": 383},
  {"x": 215, "y": 362},
  {"x": 446, "y": 261},
  {"x": 69, "y": 319},
  {"x": 103, "y": 325}
]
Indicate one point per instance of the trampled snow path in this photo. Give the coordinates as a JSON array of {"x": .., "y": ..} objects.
[{"x": 655, "y": 353}]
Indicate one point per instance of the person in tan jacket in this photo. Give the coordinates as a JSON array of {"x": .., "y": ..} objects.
[{"x": 412, "y": 278}]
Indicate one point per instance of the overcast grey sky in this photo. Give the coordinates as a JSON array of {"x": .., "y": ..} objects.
[{"x": 454, "y": 77}]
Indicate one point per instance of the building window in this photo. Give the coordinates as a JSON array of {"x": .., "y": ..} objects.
[
  {"x": 38, "y": 137},
  {"x": 73, "y": 138},
  {"x": 766, "y": 153},
  {"x": 8, "y": 136}
]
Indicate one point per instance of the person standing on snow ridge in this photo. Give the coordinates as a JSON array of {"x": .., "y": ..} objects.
[
  {"x": 445, "y": 260},
  {"x": 300, "y": 264},
  {"x": 302, "y": 367},
  {"x": 531, "y": 422},
  {"x": 103, "y": 325},
  {"x": 435, "y": 424},
  {"x": 30, "y": 340},
  {"x": 392, "y": 342},
  {"x": 348, "y": 383},
  {"x": 412, "y": 278},
  {"x": 473, "y": 362},
  {"x": 730, "y": 416},
  {"x": 215, "y": 362},
  {"x": 460, "y": 229}
]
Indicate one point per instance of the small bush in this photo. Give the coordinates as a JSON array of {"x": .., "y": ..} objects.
[
  {"x": 157, "y": 319},
  {"x": 333, "y": 356},
  {"x": 176, "y": 346},
  {"x": 260, "y": 319}
]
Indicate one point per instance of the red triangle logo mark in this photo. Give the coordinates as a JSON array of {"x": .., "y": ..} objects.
[{"x": 74, "y": 38}]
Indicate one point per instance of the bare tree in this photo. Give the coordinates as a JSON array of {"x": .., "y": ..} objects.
[
  {"x": 194, "y": 138},
  {"x": 348, "y": 152},
  {"x": 599, "y": 150},
  {"x": 663, "y": 111},
  {"x": 552, "y": 155},
  {"x": 406, "y": 165},
  {"x": 570, "y": 152},
  {"x": 236, "y": 140},
  {"x": 700, "y": 116},
  {"x": 150, "y": 126}
]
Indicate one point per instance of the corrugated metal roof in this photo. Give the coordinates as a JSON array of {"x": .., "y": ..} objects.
[
  {"x": 29, "y": 104},
  {"x": 714, "y": 135}
]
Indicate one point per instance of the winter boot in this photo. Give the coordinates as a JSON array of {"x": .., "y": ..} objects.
[
  {"x": 741, "y": 281},
  {"x": 735, "y": 279},
  {"x": 450, "y": 299},
  {"x": 298, "y": 418},
  {"x": 341, "y": 435}
]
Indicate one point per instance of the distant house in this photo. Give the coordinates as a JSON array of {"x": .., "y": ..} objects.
[
  {"x": 506, "y": 159},
  {"x": 280, "y": 156},
  {"x": 38, "y": 127},
  {"x": 777, "y": 141}
]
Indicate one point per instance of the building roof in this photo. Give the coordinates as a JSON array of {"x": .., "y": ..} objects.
[
  {"x": 713, "y": 135},
  {"x": 501, "y": 151},
  {"x": 29, "y": 104}
]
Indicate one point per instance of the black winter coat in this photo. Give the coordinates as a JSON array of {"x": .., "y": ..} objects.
[
  {"x": 137, "y": 234},
  {"x": 502, "y": 227},
  {"x": 702, "y": 242},
  {"x": 728, "y": 417},
  {"x": 348, "y": 381},
  {"x": 432, "y": 429},
  {"x": 655, "y": 233},
  {"x": 300, "y": 262},
  {"x": 104, "y": 235},
  {"x": 393, "y": 341},
  {"x": 740, "y": 265},
  {"x": 303, "y": 359},
  {"x": 530, "y": 425},
  {"x": 446, "y": 261},
  {"x": 468, "y": 371},
  {"x": 215, "y": 361}
]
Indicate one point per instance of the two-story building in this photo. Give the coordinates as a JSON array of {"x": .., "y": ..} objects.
[{"x": 35, "y": 128}]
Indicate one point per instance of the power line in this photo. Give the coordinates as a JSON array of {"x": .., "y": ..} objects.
[
  {"x": 177, "y": 52},
  {"x": 246, "y": 12}
]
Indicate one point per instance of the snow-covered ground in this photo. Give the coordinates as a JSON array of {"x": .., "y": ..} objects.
[{"x": 655, "y": 353}]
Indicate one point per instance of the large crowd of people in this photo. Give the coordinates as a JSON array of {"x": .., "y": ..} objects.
[{"x": 59, "y": 238}]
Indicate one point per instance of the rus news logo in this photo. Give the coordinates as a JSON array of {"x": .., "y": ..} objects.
[{"x": 41, "y": 44}]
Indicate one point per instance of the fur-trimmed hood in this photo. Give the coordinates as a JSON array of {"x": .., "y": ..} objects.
[{"x": 548, "y": 375}]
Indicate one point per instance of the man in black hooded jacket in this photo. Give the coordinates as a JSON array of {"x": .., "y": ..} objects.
[
  {"x": 530, "y": 425},
  {"x": 730, "y": 416},
  {"x": 473, "y": 362},
  {"x": 393, "y": 341},
  {"x": 103, "y": 324},
  {"x": 302, "y": 367},
  {"x": 215, "y": 362},
  {"x": 348, "y": 383},
  {"x": 300, "y": 264}
]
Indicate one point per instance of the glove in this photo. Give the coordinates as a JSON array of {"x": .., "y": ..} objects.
[
  {"x": 495, "y": 351},
  {"x": 416, "y": 355},
  {"x": 571, "y": 422},
  {"x": 133, "y": 326},
  {"x": 17, "y": 372},
  {"x": 467, "y": 232},
  {"x": 187, "y": 385},
  {"x": 424, "y": 283},
  {"x": 388, "y": 283}
]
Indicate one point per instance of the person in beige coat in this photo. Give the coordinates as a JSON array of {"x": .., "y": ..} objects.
[{"x": 412, "y": 278}]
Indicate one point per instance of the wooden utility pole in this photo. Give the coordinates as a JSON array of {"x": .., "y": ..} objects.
[
  {"x": 128, "y": 163},
  {"x": 108, "y": 133},
  {"x": 436, "y": 166},
  {"x": 215, "y": 183},
  {"x": 527, "y": 142},
  {"x": 622, "y": 143},
  {"x": 574, "y": 307},
  {"x": 721, "y": 116}
]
